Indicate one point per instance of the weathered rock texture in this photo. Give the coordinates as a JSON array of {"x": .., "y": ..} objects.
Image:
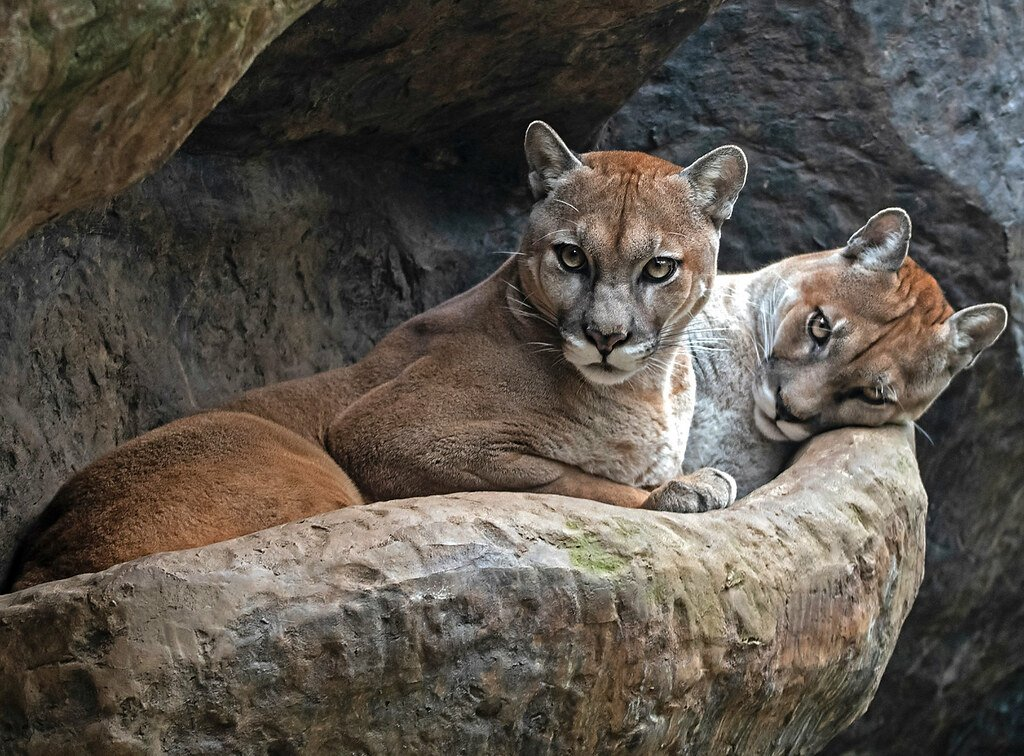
[
  {"x": 490, "y": 623},
  {"x": 95, "y": 94},
  {"x": 454, "y": 81},
  {"x": 843, "y": 109}
]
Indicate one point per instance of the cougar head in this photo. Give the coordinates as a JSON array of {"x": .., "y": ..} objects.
[
  {"x": 862, "y": 335},
  {"x": 621, "y": 248}
]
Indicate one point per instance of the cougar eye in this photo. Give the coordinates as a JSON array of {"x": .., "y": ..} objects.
[
  {"x": 872, "y": 395},
  {"x": 660, "y": 268},
  {"x": 818, "y": 328},
  {"x": 571, "y": 257}
]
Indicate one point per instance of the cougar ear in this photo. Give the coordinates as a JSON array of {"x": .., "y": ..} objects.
[
  {"x": 883, "y": 242},
  {"x": 717, "y": 179},
  {"x": 971, "y": 331},
  {"x": 548, "y": 157}
]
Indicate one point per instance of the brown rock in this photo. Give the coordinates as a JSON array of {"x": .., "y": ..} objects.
[
  {"x": 95, "y": 95},
  {"x": 491, "y": 621}
]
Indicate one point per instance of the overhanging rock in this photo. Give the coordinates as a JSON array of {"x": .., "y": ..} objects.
[
  {"x": 95, "y": 95},
  {"x": 491, "y": 621}
]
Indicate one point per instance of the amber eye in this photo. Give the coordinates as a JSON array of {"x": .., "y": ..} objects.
[
  {"x": 872, "y": 395},
  {"x": 818, "y": 328},
  {"x": 571, "y": 256},
  {"x": 660, "y": 268}
]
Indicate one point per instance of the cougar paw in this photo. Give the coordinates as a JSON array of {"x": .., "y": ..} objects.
[{"x": 702, "y": 491}]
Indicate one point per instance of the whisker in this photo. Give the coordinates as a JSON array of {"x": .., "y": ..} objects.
[
  {"x": 549, "y": 316},
  {"x": 528, "y": 314},
  {"x": 923, "y": 432},
  {"x": 537, "y": 313},
  {"x": 702, "y": 349}
]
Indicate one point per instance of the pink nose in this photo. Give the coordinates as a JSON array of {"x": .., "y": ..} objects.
[{"x": 606, "y": 342}]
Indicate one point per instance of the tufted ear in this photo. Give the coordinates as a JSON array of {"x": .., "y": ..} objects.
[
  {"x": 971, "y": 331},
  {"x": 548, "y": 157},
  {"x": 882, "y": 243},
  {"x": 717, "y": 179}
]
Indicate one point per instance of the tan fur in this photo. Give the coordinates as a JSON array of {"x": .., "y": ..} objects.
[
  {"x": 202, "y": 479},
  {"x": 500, "y": 388},
  {"x": 892, "y": 332},
  {"x": 753, "y": 355}
]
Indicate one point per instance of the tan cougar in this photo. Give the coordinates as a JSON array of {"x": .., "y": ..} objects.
[{"x": 563, "y": 373}]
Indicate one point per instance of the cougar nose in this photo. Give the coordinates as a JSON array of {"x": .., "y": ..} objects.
[
  {"x": 605, "y": 342},
  {"x": 782, "y": 412}
]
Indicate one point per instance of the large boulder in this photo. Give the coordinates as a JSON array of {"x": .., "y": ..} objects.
[
  {"x": 490, "y": 623},
  {"x": 95, "y": 94},
  {"x": 845, "y": 108}
]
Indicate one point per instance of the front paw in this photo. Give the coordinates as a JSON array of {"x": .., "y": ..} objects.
[{"x": 702, "y": 491}]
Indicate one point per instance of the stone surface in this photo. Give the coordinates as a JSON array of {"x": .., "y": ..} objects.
[
  {"x": 95, "y": 94},
  {"x": 490, "y": 623},
  {"x": 843, "y": 109},
  {"x": 453, "y": 82}
]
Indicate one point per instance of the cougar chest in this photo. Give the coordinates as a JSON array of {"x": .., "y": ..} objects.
[{"x": 641, "y": 441}]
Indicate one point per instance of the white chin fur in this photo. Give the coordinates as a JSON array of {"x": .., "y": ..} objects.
[
  {"x": 764, "y": 399},
  {"x": 603, "y": 376},
  {"x": 794, "y": 431},
  {"x": 619, "y": 367},
  {"x": 766, "y": 421},
  {"x": 767, "y": 426}
]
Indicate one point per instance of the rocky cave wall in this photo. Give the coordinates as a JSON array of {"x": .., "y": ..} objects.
[
  {"x": 843, "y": 109},
  {"x": 298, "y": 225}
]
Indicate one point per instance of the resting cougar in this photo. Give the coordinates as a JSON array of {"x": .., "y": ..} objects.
[
  {"x": 563, "y": 373},
  {"x": 859, "y": 335}
]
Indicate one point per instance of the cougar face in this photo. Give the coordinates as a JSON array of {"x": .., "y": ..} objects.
[
  {"x": 621, "y": 248},
  {"x": 862, "y": 335}
]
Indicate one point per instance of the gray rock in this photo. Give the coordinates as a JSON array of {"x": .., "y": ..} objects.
[
  {"x": 490, "y": 622},
  {"x": 450, "y": 82},
  {"x": 843, "y": 109}
]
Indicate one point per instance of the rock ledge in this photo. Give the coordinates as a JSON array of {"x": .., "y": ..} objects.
[{"x": 491, "y": 621}]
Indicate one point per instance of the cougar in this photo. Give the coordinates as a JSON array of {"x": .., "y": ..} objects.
[
  {"x": 860, "y": 335},
  {"x": 564, "y": 372}
]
